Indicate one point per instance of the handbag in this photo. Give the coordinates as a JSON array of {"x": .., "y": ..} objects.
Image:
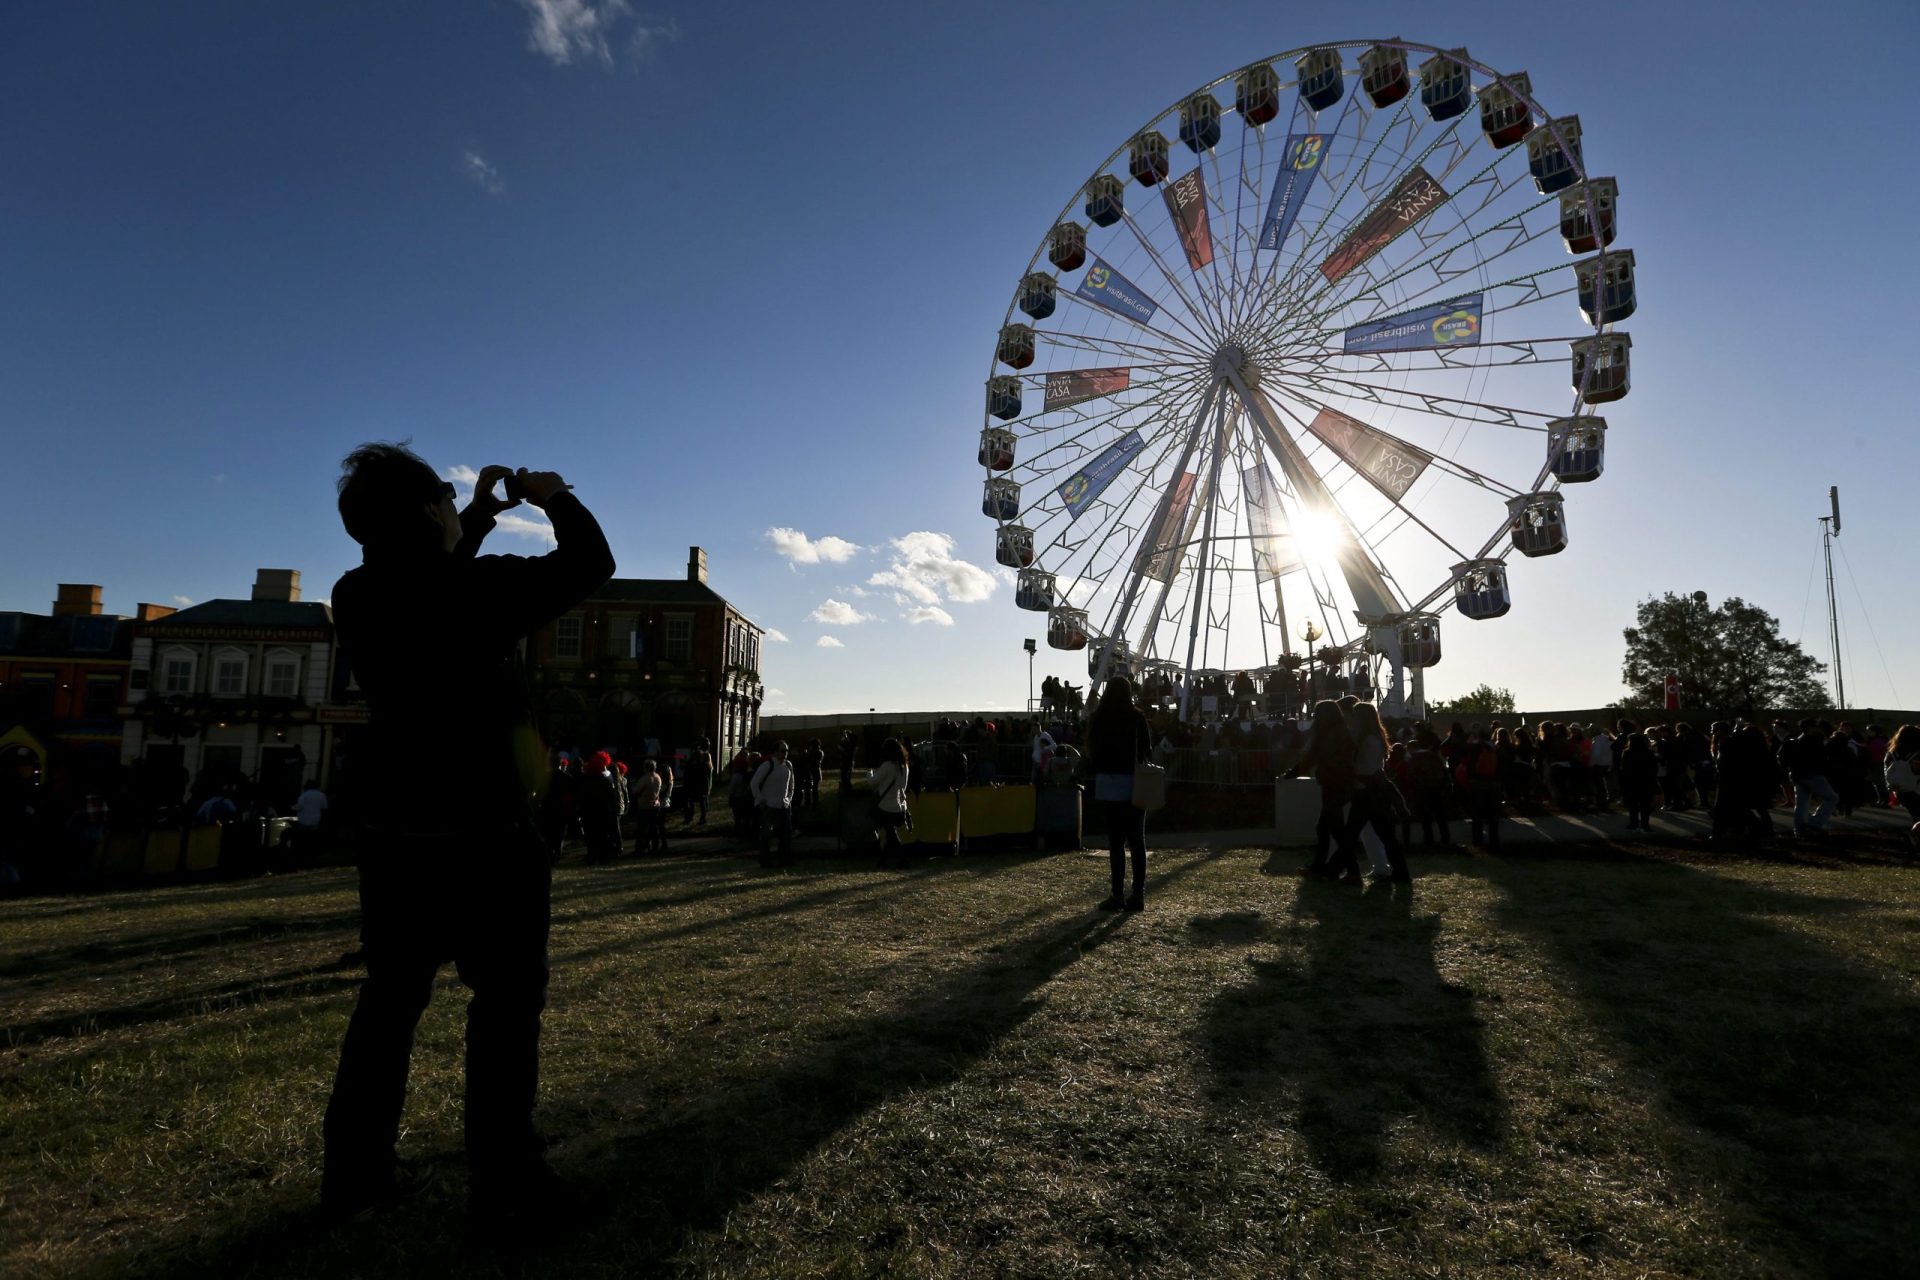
[
  {"x": 1389, "y": 798},
  {"x": 1149, "y": 787}
]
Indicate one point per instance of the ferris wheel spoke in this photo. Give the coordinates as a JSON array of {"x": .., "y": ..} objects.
[
  {"x": 1100, "y": 344},
  {"x": 1279, "y": 252},
  {"x": 1163, "y": 426},
  {"x": 1453, "y": 407},
  {"x": 1449, "y": 465},
  {"x": 1171, "y": 391},
  {"x": 1198, "y": 346},
  {"x": 1200, "y": 315}
]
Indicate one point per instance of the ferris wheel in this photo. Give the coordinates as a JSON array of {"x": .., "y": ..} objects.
[{"x": 1317, "y": 347}]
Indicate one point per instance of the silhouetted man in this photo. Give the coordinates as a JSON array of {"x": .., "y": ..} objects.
[{"x": 453, "y": 867}]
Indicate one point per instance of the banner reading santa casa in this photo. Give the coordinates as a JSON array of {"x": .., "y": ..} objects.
[
  {"x": 1088, "y": 483},
  {"x": 1163, "y": 561},
  {"x": 1187, "y": 205},
  {"x": 1075, "y": 386},
  {"x": 1107, "y": 288},
  {"x": 1413, "y": 198},
  {"x": 1445, "y": 324},
  {"x": 1388, "y": 461},
  {"x": 1299, "y": 166},
  {"x": 1273, "y": 547}
]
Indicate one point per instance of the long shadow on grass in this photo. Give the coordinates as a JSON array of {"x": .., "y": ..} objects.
[
  {"x": 295, "y": 984},
  {"x": 1366, "y": 1032},
  {"x": 1788, "y": 1067}
]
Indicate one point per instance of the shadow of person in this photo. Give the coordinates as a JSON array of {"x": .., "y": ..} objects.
[
  {"x": 1368, "y": 1032},
  {"x": 1788, "y": 1064}
]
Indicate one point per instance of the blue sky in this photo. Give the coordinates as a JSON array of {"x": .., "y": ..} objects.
[{"x": 734, "y": 269}]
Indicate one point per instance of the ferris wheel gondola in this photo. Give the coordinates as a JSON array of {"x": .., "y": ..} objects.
[{"x": 1302, "y": 364}]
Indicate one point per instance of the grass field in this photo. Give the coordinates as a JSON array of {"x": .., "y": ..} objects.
[{"x": 1620, "y": 1063}]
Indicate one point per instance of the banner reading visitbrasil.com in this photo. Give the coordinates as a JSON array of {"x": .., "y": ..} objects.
[
  {"x": 1298, "y": 169},
  {"x": 1444, "y": 324},
  {"x": 1105, "y": 287},
  {"x": 1091, "y": 480}
]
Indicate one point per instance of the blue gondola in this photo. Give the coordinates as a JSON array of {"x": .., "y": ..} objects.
[
  {"x": 1446, "y": 89},
  {"x": 1037, "y": 295},
  {"x": 1035, "y": 591},
  {"x": 1577, "y": 448},
  {"x": 1003, "y": 397},
  {"x": 1200, "y": 122},
  {"x": 1606, "y": 286},
  {"x": 1577, "y": 219},
  {"x": 1321, "y": 81},
  {"x": 1555, "y": 167},
  {"x": 1480, "y": 589},
  {"x": 1001, "y": 498},
  {"x": 1106, "y": 200}
]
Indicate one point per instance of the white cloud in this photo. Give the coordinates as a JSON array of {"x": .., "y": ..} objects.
[
  {"x": 838, "y": 613},
  {"x": 924, "y": 567},
  {"x": 523, "y": 521},
  {"x": 798, "y": 548},
  {"x": 482, "y": 171},
  {"x": 930, "y": 613},
  {"x": 828, "y": 642},
  {"x": 183, "y": 601},
  {"x": 563, "y": 30},
  {"x": 775, "y": 635}
]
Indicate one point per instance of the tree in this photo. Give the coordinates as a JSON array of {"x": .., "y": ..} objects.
[
  {"x": 1484, "y": 701},
  {"x": 1730, "y": 659}
]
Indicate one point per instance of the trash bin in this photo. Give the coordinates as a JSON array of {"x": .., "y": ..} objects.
[{"x": 1056, "y": 817}]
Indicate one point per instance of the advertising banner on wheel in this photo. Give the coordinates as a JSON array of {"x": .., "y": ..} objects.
[
  {"x": 1076, "y": 386},
  {"x": 1445, "y": 324},
  {"x": 1187, "y": 206},
  {"x": 1162, "y": 562},
  {"x": 1412, "y": 198},
  {"x": 1106, "y": 288},
  {"x": 1388, "y": 461},
  {"x": 1299, "y": 166},
  {"x": 1273, "y": 549},
  {"x": 1090, "y": 481}
]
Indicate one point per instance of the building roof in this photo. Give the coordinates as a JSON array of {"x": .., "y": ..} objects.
[
  {"x": 301, "y": 614},
  {"x": 34, "y": 635},
  {"x": 659, "y": 591}
]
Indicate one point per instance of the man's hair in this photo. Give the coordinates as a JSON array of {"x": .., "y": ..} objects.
[{"x": 383, "y": 487}]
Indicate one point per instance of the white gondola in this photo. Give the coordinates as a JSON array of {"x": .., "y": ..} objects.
[
  {"x": 1200, "y": 122},
  {"x": 1067, "y": 628},
  {"x": 1067, "y": 246},
  {"x": 1604, "y": 285},
  {"x": 1538, "y": 523},
  {"x": 1445, "y": 88},
  {"x": 1013, "y": 546},
  {"x": 1001, "y": 499},
  {"x": 1609, "y": 354},
  {"x": 1419, "y": 638},
  {"x": 1577, "y": 447},
  {"x": 1383, "y": 74},
  {"x": 1112, "y": 652},
  {"x": 1480, "y": 589},
  {"x": 996, "y": 448},
  {"x": 1555, "y": 167},
  {"x": 1034, "y": 591},
  {"x": 1106, "y": 200},
  {"x": 1576, "y": 221}
]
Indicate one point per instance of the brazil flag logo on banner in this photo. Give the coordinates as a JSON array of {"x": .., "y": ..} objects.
[{"x": 1088, "y": 483}]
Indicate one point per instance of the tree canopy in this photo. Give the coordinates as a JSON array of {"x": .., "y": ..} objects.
[
  {"x": 1731, "y": 658},
  {"x": 1484, "y": 701}
]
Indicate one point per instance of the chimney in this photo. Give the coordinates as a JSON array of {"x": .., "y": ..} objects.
[
  {"x": 282, "y": 585},
  {"x": 696, "y": 565},
  {"x": 152, "y": 612},
  {"x": 76, "y": 600}
]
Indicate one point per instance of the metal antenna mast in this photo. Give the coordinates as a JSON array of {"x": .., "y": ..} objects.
[{"x": 1829, "y": 530}]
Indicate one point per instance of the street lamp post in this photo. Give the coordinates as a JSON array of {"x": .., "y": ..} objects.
[
  {"x": 1031, "y": 649},
  {"x": 1309, "y": 632}
]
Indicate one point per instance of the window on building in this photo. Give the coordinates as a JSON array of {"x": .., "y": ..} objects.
[
  {"x": 566, "y": 638},
  {"x": 229, "y": 677},
  {"x": 103, "y": 697},
  {"x": 283, "y": 678},
  {"x": 36, "y": 696},
  {"x": 679, "y": 639},
  {"x": 176, "y": 674}
]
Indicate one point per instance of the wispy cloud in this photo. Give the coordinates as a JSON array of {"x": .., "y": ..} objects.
[
  {"x": 775, "y": 635},
  {"x": 482, "y": 170},
  {"x": 563, "y": 31},
  {"x": 523, "y": 521},
  {"x": 838, "y": 613},
  {"x": 798, "y": 548},
  {"x": 930, "y": 613},
  {"x": 183, "y": 601},
  {"x": 828, "y": 642},
  {"x": 924, "y": 568}
]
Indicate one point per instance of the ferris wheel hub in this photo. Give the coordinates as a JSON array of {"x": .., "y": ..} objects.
[{"x": 1231, "y": 358}]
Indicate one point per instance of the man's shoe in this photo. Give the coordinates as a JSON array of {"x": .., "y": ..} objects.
[
  {"x": 344, "y": 1196},
  {"x": 1114, "y": 903},
  {"x": 1137, "y": 902}
]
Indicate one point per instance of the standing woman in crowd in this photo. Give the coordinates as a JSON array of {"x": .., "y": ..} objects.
[
  {"x": 646, "y": 807},
  {"x": 1329, "y": 757},
  {"x": 1902, "y": 771},
  {"x": 1117, "y": 741},
  {"x": 1639, "y": 778},
  {"x": 1374, "y": 799},
  {"x": 889, "y": 782},
  {"x": 665, "y": 806}
]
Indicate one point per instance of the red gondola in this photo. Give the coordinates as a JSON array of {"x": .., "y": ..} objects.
[
  {"x": 1383, "y": 74},
  {"x": 1147, "y": 158},
  {"x": 1256, "y": 95}
]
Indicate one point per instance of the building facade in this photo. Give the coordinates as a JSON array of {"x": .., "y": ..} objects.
[
  {"x": 649, "y": 665},
  {"x": 63, "y": 680},
  {"x": 230, "y": 689}
]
